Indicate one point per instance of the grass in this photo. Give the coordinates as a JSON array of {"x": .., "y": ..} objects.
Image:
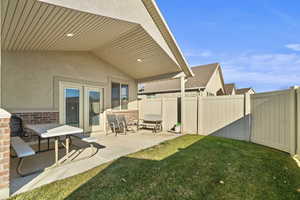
[{"x": 188, "y": 167}]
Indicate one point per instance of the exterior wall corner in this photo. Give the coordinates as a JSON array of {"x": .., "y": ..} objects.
[{"x": 4, "y": 153}]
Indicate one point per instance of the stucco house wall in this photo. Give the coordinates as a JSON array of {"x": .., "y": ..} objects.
[{"x": 30, "y": 79}]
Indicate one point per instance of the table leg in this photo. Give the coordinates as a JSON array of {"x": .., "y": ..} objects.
[
  {"x": 56, "y": 150},
  {"x": 48, "y": 144},
  {"x": 67, "y": 146},
  {"x": 39, "y": 145}
]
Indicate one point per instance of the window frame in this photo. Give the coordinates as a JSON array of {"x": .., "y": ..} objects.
[{"x": 120, "y": 95}]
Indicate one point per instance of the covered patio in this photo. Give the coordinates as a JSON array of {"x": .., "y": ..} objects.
[
  {"x": 109, "y": 147},
  {"x": 69, "y": 63}
]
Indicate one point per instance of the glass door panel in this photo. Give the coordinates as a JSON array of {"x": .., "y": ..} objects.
[
  {"x": 72, "y": 107},
  {"x": 93, "y": 109},
  {"x": 71, "y": 104}
]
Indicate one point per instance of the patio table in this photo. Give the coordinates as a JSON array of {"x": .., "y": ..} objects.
[{"x": 55, "y": 131}]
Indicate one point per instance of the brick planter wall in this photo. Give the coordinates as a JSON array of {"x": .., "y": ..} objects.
[
  {"x": 4, "y": 153},
  {"x": 38, "y": 117},
  {"x": 130, "y": 115}
]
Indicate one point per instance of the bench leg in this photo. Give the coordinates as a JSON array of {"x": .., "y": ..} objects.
[
  {"x": 19, "y": 171},
  {"x": 93, "y": 150},
  {"x": 19, "y": 167}
]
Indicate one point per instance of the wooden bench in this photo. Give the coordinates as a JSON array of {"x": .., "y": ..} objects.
[
  {"x": 22, "y": 151},
  {"x": 88, "y": 139}
]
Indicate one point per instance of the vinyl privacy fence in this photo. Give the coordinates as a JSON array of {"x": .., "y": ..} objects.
[
  {"x": 275, "y": 120},
  {"x": 222, "y": 115},
  {"x": 271, "y": 119},
  {"x": 298, "y": 122}
]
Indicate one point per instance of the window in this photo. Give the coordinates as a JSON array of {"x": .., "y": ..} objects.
[
  {"x": 119, "y": 96},
  {"x": 124, "y": 97}
]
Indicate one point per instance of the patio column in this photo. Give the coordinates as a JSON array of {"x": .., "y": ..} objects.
[
  {"x": 182, "y": 86},
  {"x": 4, "y": 153}
]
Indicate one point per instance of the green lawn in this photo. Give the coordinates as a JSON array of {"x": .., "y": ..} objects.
[{"x": 188, "y": 167}]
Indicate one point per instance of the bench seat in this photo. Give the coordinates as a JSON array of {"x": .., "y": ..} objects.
[
  {"x": 21, "y": 148},
  {"x": 88, "y": 139},
  {"x": 85, "y": 138}
]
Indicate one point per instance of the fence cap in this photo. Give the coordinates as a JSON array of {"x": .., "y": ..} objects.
[
  {"x": 4, "y": 114},
  {"x": 295, "y": 87}
]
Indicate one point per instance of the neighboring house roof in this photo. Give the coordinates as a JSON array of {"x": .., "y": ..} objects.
[
  {"x": 202, "y": 76},
  {"x": 244, "y": 90},
  {"x": 229, "y": 88}
]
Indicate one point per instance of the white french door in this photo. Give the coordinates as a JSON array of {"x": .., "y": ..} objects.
[
  {"x": 81, "y": 106},
  {"x": 93, "y": 114}
]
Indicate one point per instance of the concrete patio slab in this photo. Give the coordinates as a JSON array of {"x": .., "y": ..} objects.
[{"x": 110, "y": 147}]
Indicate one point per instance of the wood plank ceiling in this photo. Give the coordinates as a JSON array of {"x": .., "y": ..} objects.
[{"x": 30, "y": 25}]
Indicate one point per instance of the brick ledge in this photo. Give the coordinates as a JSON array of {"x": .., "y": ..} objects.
[{"x": 4, "y": 114}]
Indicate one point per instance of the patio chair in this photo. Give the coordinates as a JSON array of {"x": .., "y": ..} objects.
[
  {"x": 128, "y": 126},
  {"x": 115, "y": 126}
]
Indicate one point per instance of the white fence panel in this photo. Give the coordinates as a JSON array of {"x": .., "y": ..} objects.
[
  {"x": 150, "y": 106},
  {"x": 190, "y": 123},
  {"x": 169, "y": 113},
  {"x": 218, "y": 112},
  {"x": 273, "y": 119}
]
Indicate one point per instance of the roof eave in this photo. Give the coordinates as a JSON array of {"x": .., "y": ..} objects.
[{"x": 168, "y": 36}]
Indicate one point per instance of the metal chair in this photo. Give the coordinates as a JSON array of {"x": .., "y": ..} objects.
[
  {"x": 115, "y": 126},
  {"x": 128, "y": 126}
]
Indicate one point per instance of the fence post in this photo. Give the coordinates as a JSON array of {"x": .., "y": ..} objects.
[
  {"x": 163, "y": 113},
  {"x": 245, "y": 104},
  {"x": 182, "y": 89},
  {"x": 293, "y": 124},
  {"x": 199, "y": 115},
  {"x": 298, "y": 120}
]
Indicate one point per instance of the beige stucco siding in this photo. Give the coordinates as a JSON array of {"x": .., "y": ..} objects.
[
  {"x": 128, "y": 10},
  {"x": 215, "y": 84},
  {"x": 30, "y": 79}
]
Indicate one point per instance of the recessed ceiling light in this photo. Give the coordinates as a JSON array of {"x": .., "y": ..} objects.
[
  {"x": 69, "y": 34},
  {"x": 139, "y": 60}
]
